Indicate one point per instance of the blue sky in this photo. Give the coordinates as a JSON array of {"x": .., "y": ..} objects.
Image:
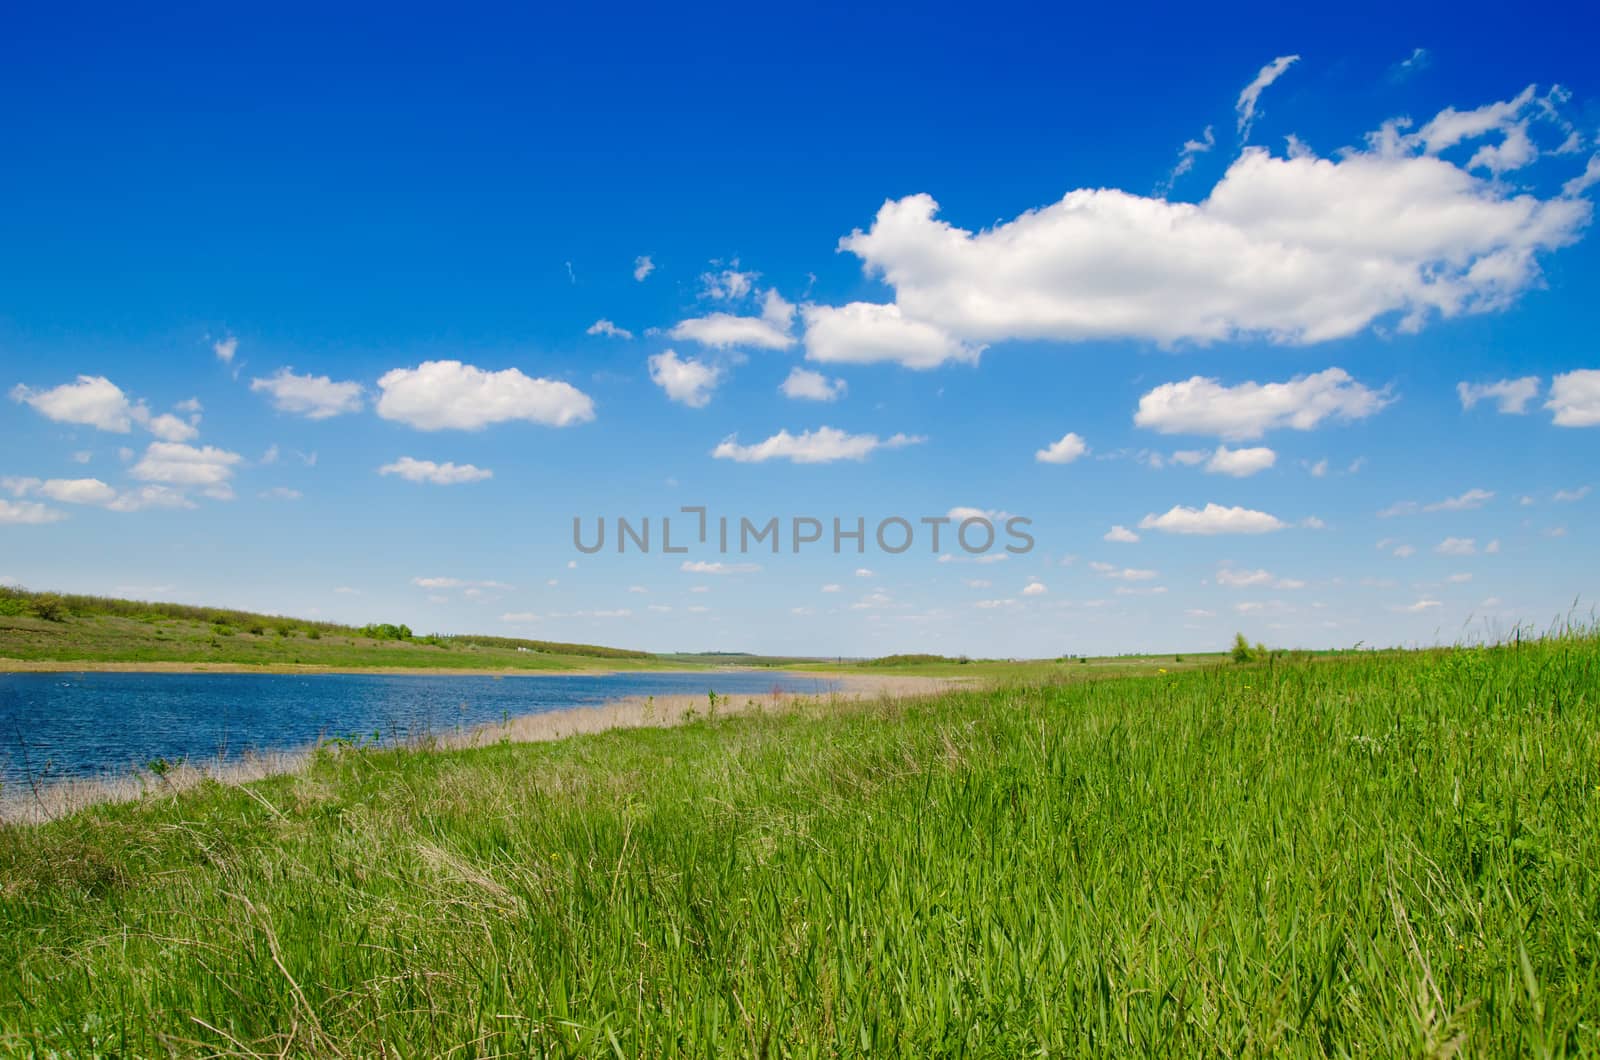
[{"x": 347, "y": 316}]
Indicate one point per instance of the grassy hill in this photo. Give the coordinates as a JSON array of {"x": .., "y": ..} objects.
[
  {"x": 1369, "y": 855},
  {"x": 54, "y": 628}
]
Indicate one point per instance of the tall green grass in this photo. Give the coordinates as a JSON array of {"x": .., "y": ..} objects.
[{"x": 1387, "y": 856}]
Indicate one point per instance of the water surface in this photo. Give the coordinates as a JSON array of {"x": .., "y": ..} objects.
[{"x": 63, "y": 725}]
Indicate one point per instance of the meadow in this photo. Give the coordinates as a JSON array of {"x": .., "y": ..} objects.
[
  {"x": 45, "y": 629},
  {"x": 1385, "y": 854}
]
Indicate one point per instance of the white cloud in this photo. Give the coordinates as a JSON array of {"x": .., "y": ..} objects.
[
  {"x": 979, "y": 583},
  {"x": 863, "y": 572},
  {"x": 280, "y": 493},
  {"x": 1233, "y": 578},
  {"x": 1575, "y": 398},
  {"x": 446, "y": 474},
  {"x": 1457, "y": 546},
  {"x": 1186, "y": 156},
  {"x": 686, "y": 380},
  {"x": 728, "y": 285},
  {"x": 1064, "y": 451},
  {"x": 870, "y": 333},
  {"x": 607, "y": 328},
  {"x": 155, "y": 496},
  {"x": 1405, "y": 551},
  {"x": 1459, "y": 579},
  {"x": 225, "y": 349},
  {"x": 1419, "y": 607},
  {"x": 992, "y": 516},
  {"x": 28, "y": 513},
  {"x": 1203, "y": 406},
  {"x": 1572, "y": 495},
  {"x": 315, "y": 397},
  {"x": 642, "y": 267},
  {"x": 1126, "y": 574},
  {"x": 170, "y": 428},
  {"x": 77, "y": 491},
  {"x": 1251, "y": 96},
  {"x": 832, "y": 587},
  {"x": 1121, "y": 534},
  {"x": 1471, "y": 500},
  {"x": 1240, "y": 463},
  {"x": 806, "y": 385},
  {"x": 440, "y": 395},
  {"x": 821, "y": 446},
  {"x": 1212, "y": 519},
  {"x": 700, "y": 566},
  {"x": 1296, "y": 249},
  {"x": 92, "y": 401},
  {"x": 175, "y": 464},
  {"x": 1034, "y": 589},
  {"x": 725, "y": 330},
  {"x": 1510, "y": 395}
]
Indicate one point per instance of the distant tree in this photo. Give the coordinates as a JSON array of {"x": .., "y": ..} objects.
[
  {"x": 1242, "y": 652},
  {"x": 49, "y": 607}
]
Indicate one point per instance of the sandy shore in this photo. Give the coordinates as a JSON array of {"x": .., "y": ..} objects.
[{"x": 63, "y": 797}]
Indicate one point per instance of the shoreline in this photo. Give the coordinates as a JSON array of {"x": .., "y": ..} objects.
[
  {"x": 161, "y": 666},
  {"x": 62, "y": 798}
]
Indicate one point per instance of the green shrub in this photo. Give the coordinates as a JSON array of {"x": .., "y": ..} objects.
[
  {"x": 1242, "y": 652},
  {"x": 49, "y": 607}
]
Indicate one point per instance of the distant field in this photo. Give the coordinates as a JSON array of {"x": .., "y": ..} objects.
[{"x": 1389, "y": 854}]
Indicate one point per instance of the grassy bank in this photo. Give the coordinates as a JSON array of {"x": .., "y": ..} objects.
[
  {"x": 46, "y": 629},
  {"x": 1388, "y": 855}
]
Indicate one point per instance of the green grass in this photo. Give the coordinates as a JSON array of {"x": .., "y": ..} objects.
[
  {"x": 47, "y": 627},
  {"x": 1386, "y": 855}
]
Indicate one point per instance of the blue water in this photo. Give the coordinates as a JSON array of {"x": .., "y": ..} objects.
[{"x": 57, "y": 726}]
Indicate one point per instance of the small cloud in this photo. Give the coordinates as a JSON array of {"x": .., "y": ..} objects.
[
  {"x": 280, "y": 493},
  {"x": 697, "y": 566},
  {"x": 642, "y": 267},
  {"x": 608, "y": 329},
  {"x": 1572, "y": 495},
  {"x": 445, "y": 474},
  {"x": 225, "y": 349},
  {"x": 1034, "y": 589},
  {"x": 1457, "y": 546},
  {"x": 1063, "y": 451},
  {"x": 1121, "y": 534},
  {"x": 806, "y": 385}
]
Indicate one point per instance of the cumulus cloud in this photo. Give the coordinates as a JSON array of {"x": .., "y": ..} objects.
[
  {"x": 1065, "y": 450},
  {"x": 729, "y": 284},
  {"x": 1457, "y": 546},
  {"x": 1121, "y": 534},
  {"x": 1510, "y": 395},
  {"x": 869, "y": 333},
  {"x": 1295, "y": 249},
  {"x": 205, "y": 467},
  {"x": 685, "y": 380},
  {"x": 806, "y": 385},
  {"x": 315, "y": 397},
  {"x": 606, "y": 327},
  {"x": 1212, "y": 519},
  {"x": 28, "y": 513},
  {"x": 1575, "y": 398},
  {"x": 1034, "y": 589},
  {"x": 1251, "y": 95},
  {"x": 821, "y": 446},
  {"x": 642, "y": 267},
  {"x": 1204, "y": 406},
  {"x": 722, "y": 331},
  {"x": 441, "y": 395},
  {"x": 225, "y": 348},
  {"x": 1240, "y": 463},
  {"x": 92, "y": 401},
  {"x": 445, "y": 474}
]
